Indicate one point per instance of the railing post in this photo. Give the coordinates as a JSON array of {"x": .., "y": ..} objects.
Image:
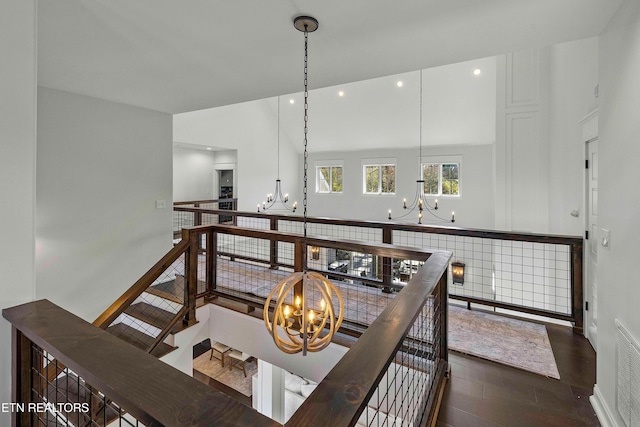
[
  {"x": 387, "y": 267},
  {"x": 197, "y": 216},
  {"x": 443, "y": 294},
  {"x": 577, "y": 288},
  {"x": 191, "y": 277},
  {"x": 234, "y": 206},
  {"x": 273, "y": 246},
  {"x": 21, "y": 376},
  {"x": 212, "y": 253}
]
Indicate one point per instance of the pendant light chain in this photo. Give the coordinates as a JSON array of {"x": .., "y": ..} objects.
[
  {"x": 306, "y": 154},
  {"x": 420, "y": 160},
  {"x": 278, "y": 138}
]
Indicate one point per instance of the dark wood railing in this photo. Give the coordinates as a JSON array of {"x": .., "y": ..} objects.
[
  {"x": 387, "y": 230},
  {"x": 142, "y": 386},
  {"x": 135, "y": 383},
  {"x": 344, "y": 393}
]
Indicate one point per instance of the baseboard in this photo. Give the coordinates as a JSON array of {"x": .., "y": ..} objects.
[{"x": 604, "y": 414}]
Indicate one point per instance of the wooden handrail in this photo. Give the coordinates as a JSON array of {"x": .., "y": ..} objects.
[
  {"x": 197, "y": 202},
  {"x": 114, "y": 310},
  {"x": 148, "y": 389},
  {"x": 345, "y": 392},
  {"x": 399, "y": 226}
]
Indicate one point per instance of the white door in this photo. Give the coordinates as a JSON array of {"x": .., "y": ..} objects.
[{"x": 591, "y": 283}]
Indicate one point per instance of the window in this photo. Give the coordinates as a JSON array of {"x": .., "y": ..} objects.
[
  {"x": 328, "y": 179},
  {"x": 379, "y": 178},
  {"x": 441, "y": 179}
]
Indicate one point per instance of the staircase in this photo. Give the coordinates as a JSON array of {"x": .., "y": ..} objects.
[
  {"x": 151, "y": 317},
  {"x": 156, "y": 305},
  {"x": 161, "y": 299}
]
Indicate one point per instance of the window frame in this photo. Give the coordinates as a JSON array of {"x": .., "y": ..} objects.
[
  {"x": 331, "y": 165},
  {"x": 380, "y": 163},
  {"x": 441, "y": 162}
]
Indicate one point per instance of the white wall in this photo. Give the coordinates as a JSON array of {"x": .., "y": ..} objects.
[
  {"x": 619, "y": 194},
  {"x": 192, "y": 174},
  {"x": 573, "y": 77},
  {"x": 251, "y": 129},
  {"x": 474, "y": 208},
  {"x": 101, "y": 167},
  {"x": 17, "y": 168}
]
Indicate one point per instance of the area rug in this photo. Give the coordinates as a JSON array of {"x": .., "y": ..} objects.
[
  {"x": 232, "y": 378},
  {"x": 512, "y": 342}
]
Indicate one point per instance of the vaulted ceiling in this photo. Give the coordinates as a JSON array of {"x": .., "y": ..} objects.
[{"x": 178, "y": 56}]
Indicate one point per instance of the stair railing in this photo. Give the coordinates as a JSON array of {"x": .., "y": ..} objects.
[{"x": 408, "y": 340}]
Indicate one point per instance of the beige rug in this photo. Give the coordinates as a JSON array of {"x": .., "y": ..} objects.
[
  {"x": 232, "y": 378},
  {"x": 501, "y": 339}
]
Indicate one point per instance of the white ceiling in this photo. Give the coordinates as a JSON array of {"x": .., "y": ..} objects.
[{"x": 178, "y": 56}]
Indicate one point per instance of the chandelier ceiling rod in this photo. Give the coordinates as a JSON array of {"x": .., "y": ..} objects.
[
  {"x": 304, "y": 317},
  {"x": 420, "y": 201},
  {"x": 277, "y": 196}
]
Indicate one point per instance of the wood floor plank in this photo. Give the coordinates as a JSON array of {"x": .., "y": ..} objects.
[{"x": 513, "y": 397}]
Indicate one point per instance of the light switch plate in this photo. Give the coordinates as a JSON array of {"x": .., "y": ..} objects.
[
  {"x": 161, "y": 204},
  {"x": 605, "y": 237}
]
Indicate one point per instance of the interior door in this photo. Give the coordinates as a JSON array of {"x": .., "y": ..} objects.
[{"x": 592, "y": 256}]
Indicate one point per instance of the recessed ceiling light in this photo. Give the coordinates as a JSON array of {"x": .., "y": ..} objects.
[
  {"x": 209, "y": 148},
  {"x": 341, "y": 93},
  {"x": 292, "y": 101},
  {"x": 477, "y": 71},
  {"x": 399, "y": 83}
]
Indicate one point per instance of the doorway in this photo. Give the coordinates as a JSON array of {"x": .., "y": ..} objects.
[
  {"x": 225, "y": 191},
  {"x": 591, "y": 212}
]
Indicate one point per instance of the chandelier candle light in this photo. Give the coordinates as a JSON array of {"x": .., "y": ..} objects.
[
  {"x": 304, "y": 316},
  {"x": 420, "y": 201},
  {"x": 277, "y": 196}
]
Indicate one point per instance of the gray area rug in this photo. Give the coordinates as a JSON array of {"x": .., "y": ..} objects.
[
  {"x": 501, "y": 339},
  {"x": 232, "y": 378}
]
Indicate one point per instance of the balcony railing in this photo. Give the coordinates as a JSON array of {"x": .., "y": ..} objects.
[{"x": 529, "y": 273}]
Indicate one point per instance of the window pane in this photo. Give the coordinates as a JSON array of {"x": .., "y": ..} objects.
[
  {"x": 450, "y": 179},
  {"x": 323, "y": 180},
  {"x": 336, "y": 179},
  {"x": 430, "y": 174},
  {"x": 388, "y": 179},
  {"x": 372, "y": 179}
]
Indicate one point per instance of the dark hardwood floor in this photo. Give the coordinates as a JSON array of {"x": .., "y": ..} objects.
[{"x": 482, "y": 393}]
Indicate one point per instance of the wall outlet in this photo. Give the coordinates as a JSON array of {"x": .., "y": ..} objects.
[{"x": 161, "y": 204}]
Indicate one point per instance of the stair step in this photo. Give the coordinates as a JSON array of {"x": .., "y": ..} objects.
[
  {"x": 139, "y": 339},
  {"x": 154, "y": 316},
  {"x": 172, "y": 290},
  {"x": 70, "y": 389}
]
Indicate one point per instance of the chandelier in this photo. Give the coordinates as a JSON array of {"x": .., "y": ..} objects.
[
  {"x": 277, "y": 196},
  {"x": 304, "y": 317},
  {"x": 420, "y": 204}
]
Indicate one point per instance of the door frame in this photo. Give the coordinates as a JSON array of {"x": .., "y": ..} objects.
[{"x": 589, "y": 126}]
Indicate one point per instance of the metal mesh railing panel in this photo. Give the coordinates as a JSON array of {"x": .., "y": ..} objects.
[
  {"x": 67, "y": 399},
  {"x": 526, "y": 274},
  {"x": 343, "y": 232},
  {"x": 402, "y": 395},
  {"x": 249, "y": 269},
  {"x": 255, "y": 223}
]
